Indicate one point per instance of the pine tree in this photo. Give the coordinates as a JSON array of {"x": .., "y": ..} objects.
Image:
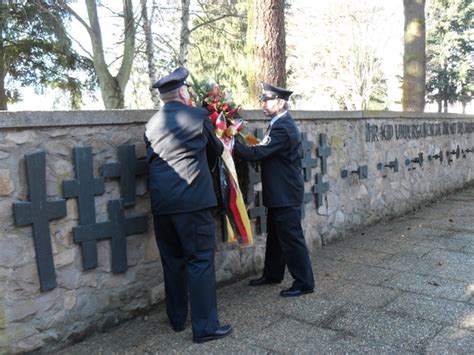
[
  {"x": 450, "y": 67},
  {"x": 35, "y": 51}
]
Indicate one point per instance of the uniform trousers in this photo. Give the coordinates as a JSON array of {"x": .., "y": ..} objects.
[
  {"x": 186, "y": 242},
  {"x": 286, "y": 246}
]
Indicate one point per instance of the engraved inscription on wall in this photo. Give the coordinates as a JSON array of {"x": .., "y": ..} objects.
[{"x": 387, "y": 132}]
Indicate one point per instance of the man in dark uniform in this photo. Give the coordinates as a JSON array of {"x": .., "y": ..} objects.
[
  {"x": 280, "y": 153},
  {"x": 182, "y": 196}
]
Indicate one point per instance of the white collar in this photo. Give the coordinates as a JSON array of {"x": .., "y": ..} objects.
[{"x": 275, "y": 118}]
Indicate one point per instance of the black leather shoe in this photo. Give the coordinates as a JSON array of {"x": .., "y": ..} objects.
[
  {"x": 295, "y": 292},
  {"x": 263, "y": 281},
  {"x": 178, "y": 329},
  {"x": 220, "y": 332}
]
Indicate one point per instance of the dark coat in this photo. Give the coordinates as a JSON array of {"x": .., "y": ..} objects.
[
  {"x": 176, "y": 138},
  {"x": 282, "y": 178}
]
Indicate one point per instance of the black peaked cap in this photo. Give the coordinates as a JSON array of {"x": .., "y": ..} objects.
[
  {"x": 172, "y": 81},
  {"x": 270, "y": 92}
]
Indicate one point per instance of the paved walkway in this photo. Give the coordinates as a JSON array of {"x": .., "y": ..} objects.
[{"x": 401, "y": 287}]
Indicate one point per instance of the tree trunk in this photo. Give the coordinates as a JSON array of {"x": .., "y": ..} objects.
[
  {"x": 267, "y": 45},
  {"x": 184, "y": 35},
  {"x": 440, "y": 105},
  {"x": 112, "y": 88},
  {"x": 150, "y": 55},
  {"x": 414, "y": 58},
  {"x": 3, "y": 95}
]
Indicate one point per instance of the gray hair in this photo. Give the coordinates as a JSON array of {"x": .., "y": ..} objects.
[
  {"x": 170, "y": 95},
  {"x": 285, "y": 104}
]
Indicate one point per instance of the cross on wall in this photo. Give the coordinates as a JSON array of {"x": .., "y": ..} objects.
[
  {"x": 39, "y": 212},
  {"x": 259, "y": 212},
  {"x": 307, "y": 197},
  {"x": 307, "y": 162},
  {"x": 323, "y": 152},
  {"x": 117, "y": 229},
  {"x": 127, "y": 169},
  {"x": 319, "y": 189},
  {"x": 85, "y": 187}
]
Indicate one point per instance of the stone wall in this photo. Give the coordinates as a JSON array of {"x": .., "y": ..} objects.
[{"x": 434, "y": 155}]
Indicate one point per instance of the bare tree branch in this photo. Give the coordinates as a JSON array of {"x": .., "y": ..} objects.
[
  {"x": 208, "y": 22},
  {"x": 66, "y": 7}
]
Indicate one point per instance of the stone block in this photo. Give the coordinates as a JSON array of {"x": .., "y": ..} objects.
[
  {"x": 22, "y": 137},
  {"x": 6, "y": 183},
  {"x": 151, "y": 250},
  {"x": 86, "y": 306},
  {"x": 70, "y": 300},
  {"x": 62, "y": 169},
  {"x": 25, "y": 277},
  {"x": 49, "y": 320},
  {"x": 65, "y": 257},
  {"x": 72, "y": 209},
  {"x": 6, "y": 213},
  {"x": 157, "y": 293},
  {"x": 120, "y": 138},
  {"x": 231, "y": 261},
  {"x": 29, "y": 343},
  {"x": 110, "y": 280},
  {"x": 54, "y": 133},
  {"x": 134, "y": 250},
  {"x": 16, "y": 251},
  {"x": 59, "y": 148},
  {"x": 21, "y": 310},
  {"x": 70, "y": 277}
]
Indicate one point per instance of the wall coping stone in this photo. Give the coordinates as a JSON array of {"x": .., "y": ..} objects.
[{"x": 31, "y": 119}]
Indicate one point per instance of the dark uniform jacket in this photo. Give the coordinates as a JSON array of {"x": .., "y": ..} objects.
[
  {"x": 176, "y": 138},
  {"x": 281, "y": 153}
]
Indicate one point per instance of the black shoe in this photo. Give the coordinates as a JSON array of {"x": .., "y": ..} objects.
[
  {"x": 263, "y": 281},
  {"x": 295, "y": 292},
  {"x": 220, "y": 332},
  {"x": 178, "y": 329}
]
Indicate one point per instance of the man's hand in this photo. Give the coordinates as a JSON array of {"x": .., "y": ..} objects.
[
  {"x": 231, "y": 131},
  {"x": 250, "y": 139}
]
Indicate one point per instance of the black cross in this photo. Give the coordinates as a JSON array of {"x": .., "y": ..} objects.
[
  {"x": 319, "y": 189},
  {"x": 117, "y": 228},
  {"x": 259, "y": 133},
  {"x": 39, "y": 212},
  {"x": 259, "y": 212},
  {"x": 127, "y": 169},
  {"x": 254, "y": 175},
  {"x": 85, "y": 187},
  {"x": 308, "y": 196},
  {"x": 307, "y": 162},
  {"x": 323, "y": 151}
]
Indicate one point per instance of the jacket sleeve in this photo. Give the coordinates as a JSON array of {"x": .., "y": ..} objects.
[
  {"x": 150, "y": 154},
  {"x": 278, "y": 141},
  {"x": 213, "y": 143}
]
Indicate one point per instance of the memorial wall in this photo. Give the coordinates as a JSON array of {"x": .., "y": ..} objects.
[{"x": 77, "y": 249}]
